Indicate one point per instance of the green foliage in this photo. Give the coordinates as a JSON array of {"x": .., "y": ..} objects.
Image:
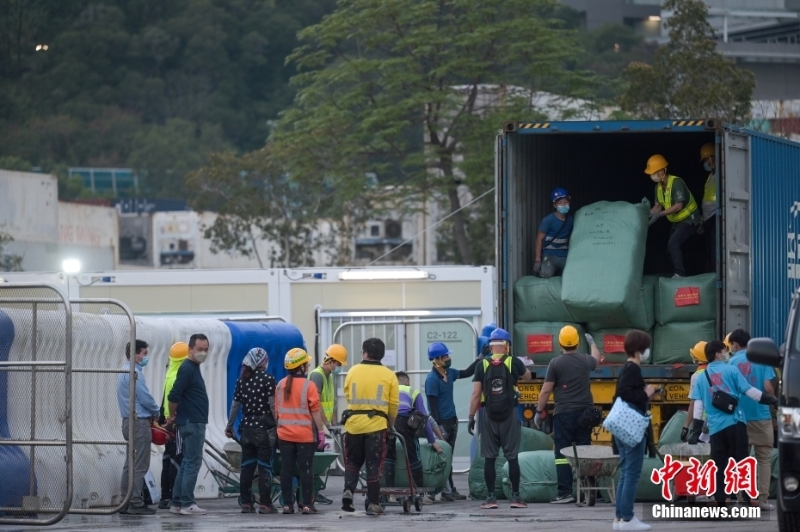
[
  {"x": 688, "y": 78},
  {"x": 400, "y": 88},
  {"x": 116, "y": 73},
  {"x": 9, "y": 262}
]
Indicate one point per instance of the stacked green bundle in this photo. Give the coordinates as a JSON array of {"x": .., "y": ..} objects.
[
  {"x": 685, "y": 312},
  {"x": 539, "y": 340}
]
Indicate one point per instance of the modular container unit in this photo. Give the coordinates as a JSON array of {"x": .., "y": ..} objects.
[{"x": 758, "y": 196}]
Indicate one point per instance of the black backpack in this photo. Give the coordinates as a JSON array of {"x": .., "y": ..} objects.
[{"x": 498, "y": 389}]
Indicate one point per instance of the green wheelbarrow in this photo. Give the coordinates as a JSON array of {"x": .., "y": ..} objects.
[{"x": 321, "y": 466}]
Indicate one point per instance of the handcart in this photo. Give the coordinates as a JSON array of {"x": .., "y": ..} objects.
[
  {"x": 682, "y": 452},
  {"x": 405, "y": 496},
  {"x": 591, "y": 463}
]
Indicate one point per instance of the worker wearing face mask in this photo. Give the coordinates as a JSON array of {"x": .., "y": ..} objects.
[
  {"x": 709, "y": 204},
  {"x": 674, "y": 201},
  {"x": 552, "y": 240}
]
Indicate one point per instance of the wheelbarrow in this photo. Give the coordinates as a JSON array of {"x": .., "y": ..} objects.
[
  {"x": 591, "y": 463},
  {"x": 682, "y": 452},
  {"x": 320, "y": 466},
  {"x": 405, "y": 496}
]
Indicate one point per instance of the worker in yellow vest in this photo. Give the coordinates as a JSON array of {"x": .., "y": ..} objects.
[
  {"x": 324, "y": 376},
  {"x": 674, "y": 201},
  {"x": 709, "y": 204}
]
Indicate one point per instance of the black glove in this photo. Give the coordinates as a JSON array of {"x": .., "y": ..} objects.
[
  {"x": 767, "y": 399},
  {"x": 471, "y": 426},
  {"x": 694, "y": 433},
  {"x": 684, "y": 433}
]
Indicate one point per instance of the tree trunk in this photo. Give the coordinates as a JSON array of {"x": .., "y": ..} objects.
[{"x": 458, "y": 224}]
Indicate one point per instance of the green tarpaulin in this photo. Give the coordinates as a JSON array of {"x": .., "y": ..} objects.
[
  {"x": 435, "y": 467},
  {"x": 537, "y": 299},
  {"x": 538, "y": 480},
  {"x": 672, "y": 430},
  {"x": 686, "y": 299},
  {"x": 673, "y": 341}
]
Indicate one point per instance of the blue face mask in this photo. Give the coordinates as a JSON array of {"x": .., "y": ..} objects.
[
  {"x": 337, "y": 370},
  {"x": 563, "y": 209},
  {"x": 144, "y": 362}
]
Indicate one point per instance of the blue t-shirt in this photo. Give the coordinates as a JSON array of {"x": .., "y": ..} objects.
[
  {"x": 725, "y": 378},
  {"x": 556, "y": 235},
  {"x": 436, "y": 386},
  {"x": 755, "y": 375}
]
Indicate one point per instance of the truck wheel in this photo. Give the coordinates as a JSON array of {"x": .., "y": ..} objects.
[{"x": 787, "y": 521}]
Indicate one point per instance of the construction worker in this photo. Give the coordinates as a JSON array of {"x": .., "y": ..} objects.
[
  {"x": 299, "y": 414},
  {"x": 728, "y": 430},
  {"x": 673, "y": 200},
  {"x": 439, "y": 385},
  {"x": 698, "y": 354},
  {"x": 173, "y": 454},
  {"x": 757, "y": 416},
  {"x": 552, "y": 240},
  {"x": 494, "y": 389},
  {"x": 324, "y": 376},
  {"x": 411, "y": 405},
  {"x": 373, "y": 398},
  {"x": 568, "y": 376},
  {"x": 709, "y": 204}
]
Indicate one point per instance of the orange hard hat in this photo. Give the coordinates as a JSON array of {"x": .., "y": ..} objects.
[
  {"x": 655, "y": 163},
  {"x": 707, "y": 150}
]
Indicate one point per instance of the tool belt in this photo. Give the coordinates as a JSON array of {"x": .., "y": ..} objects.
[{"x": 347, "y": 414}]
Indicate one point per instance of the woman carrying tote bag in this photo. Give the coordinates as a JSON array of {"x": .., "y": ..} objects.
[{"x": 632, "y": 389}]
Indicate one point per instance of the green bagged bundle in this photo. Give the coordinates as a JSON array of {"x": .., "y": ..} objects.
[
  {"x": 672, "y": 430},
  {"x": 686, "y": 299},
  {"x": 611, "y": 344},
  {"x": 673, "y": 341},
  {"x": 538, "y": 481},
  {"x": 435, "y": 467},
  {"x": 646, "y": 491},
  {"x": 537, "y": 299},
  {"x": 603, "y": 276},
  {"x": 643, "y": 319},
  {"x": 539, "y": 340}
]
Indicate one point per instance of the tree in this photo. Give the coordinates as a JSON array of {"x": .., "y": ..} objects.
[
  {"x": 688, "y": 77},
  {"x": 9, "y": 262},
  {"x": 255, "y": 201},
  {"x": 396, "y": 87}
]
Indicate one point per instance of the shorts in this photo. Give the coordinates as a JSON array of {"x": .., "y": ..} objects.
[{"x": 496, "y": 434}]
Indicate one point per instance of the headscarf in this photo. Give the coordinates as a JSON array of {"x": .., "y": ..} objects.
[{"x": 255, "y": 358}]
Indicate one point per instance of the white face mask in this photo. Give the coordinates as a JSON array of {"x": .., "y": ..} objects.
[
  {"x": 655, "y": 178},
  {"x": 645, "y": 356},
  {"x": 201, "y": 356}
]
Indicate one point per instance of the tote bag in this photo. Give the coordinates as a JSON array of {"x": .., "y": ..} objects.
[{"x": 626, "y": 423}]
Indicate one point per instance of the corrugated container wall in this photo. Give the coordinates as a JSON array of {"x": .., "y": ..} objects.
[{"x": 776, "y": 231}]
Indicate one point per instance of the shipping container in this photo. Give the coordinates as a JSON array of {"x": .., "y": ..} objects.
[{"x": 758, "y": 194}]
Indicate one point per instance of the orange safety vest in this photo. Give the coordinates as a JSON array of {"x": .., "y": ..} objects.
[{"x": 295, "y": 423}]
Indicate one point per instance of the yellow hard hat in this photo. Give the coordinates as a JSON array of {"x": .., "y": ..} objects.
[
  {"x": 179, "y": 350},
  {"x": 295, "y": 358},
  {"x": 707, "y": 150},
  {"x": 727, "y": 341},
  {"x": 337, "y": 352},
  {"x": 568, "y": 337},
  {"x": 655, "y": 163},
  {"x": 698, "y": 352}
]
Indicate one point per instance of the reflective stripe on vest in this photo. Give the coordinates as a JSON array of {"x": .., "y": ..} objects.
[
  {"x": 486, "y": 366},
  {"x": 710, "y": 189},
  {"x": 378, "y": 401},
  {"x": 407, "y": 394},
  {"x": 297, "y": 416},
  {"x": 326, "y": 393},
  {"x": 664, "y": 197}
]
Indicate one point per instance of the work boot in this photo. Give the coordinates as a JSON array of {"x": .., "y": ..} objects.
[
  {"x": 247, "y": 508},
  {"x": 447, "y": 497},
  {"x": 374, "y": 509},
  {"x": 163, "y": 504},
  {"x": 140, "y": 510},
  {"x": 266, "y": 509},
  {"x": 456, "y": 495},
  {"x": 347, "y": 501}
]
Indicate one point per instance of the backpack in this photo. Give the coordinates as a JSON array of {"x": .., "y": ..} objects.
[{"x": 498, "y": 389}]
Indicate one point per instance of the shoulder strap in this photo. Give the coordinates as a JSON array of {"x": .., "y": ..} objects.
[
  {"x": 710, "y": 385},
  {"x": 547, "y": 242}
]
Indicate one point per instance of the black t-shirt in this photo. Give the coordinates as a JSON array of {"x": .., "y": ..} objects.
[{"x": 254, "y": 395}]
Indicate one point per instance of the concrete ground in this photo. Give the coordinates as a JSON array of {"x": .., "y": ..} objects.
[{"x": 461, "y": 516}]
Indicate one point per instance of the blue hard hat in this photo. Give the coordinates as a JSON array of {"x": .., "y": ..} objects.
[
  {"x": 500, "y": 334},
  {"x": 487, "y": 329},
  {"x": 436, "y": 350},
  {"x": 558, "y": 193}
]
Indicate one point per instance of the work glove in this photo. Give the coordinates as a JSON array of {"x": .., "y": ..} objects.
[
  {"x": 537, "y": 419},
  {"x": 471, "y": 425},
  {"x": 537, "y": 267},
  {"x": 589, "y": 338},
  {"x": 767, "y": 399},
  {"x": 695, "y": 431},
  {"x": 684, "y": 433},
  {"x": 654, "y": 217}
]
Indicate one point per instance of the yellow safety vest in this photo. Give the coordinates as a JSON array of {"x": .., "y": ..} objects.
[
  {"x": 326, "y": 395},
  {"x": 664, "y": 197},
  {"x": 710, "y": 190},
  {"x": 486, "y": 366}
]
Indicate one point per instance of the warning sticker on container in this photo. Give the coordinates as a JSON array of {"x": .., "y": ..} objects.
[
  {"x": 687, "y": 296},
  {"x": 613, "y": 343},
  {"x": 540, "y": 343}
]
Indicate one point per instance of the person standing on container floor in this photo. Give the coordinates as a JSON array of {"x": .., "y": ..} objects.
[
  {"x": 439, "y": 385},
  {"x": 146, "y": 411},
  {"x": 552, "y": 239},
  {"x": 757, "y": 416},
  {"x": 674, "y": 201},
  {"x": 568, "y": 376},
  {"x": 188, "y": 406},
  {"x": 709, "y": 205},
  {"x": 632, "y": 389}
]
